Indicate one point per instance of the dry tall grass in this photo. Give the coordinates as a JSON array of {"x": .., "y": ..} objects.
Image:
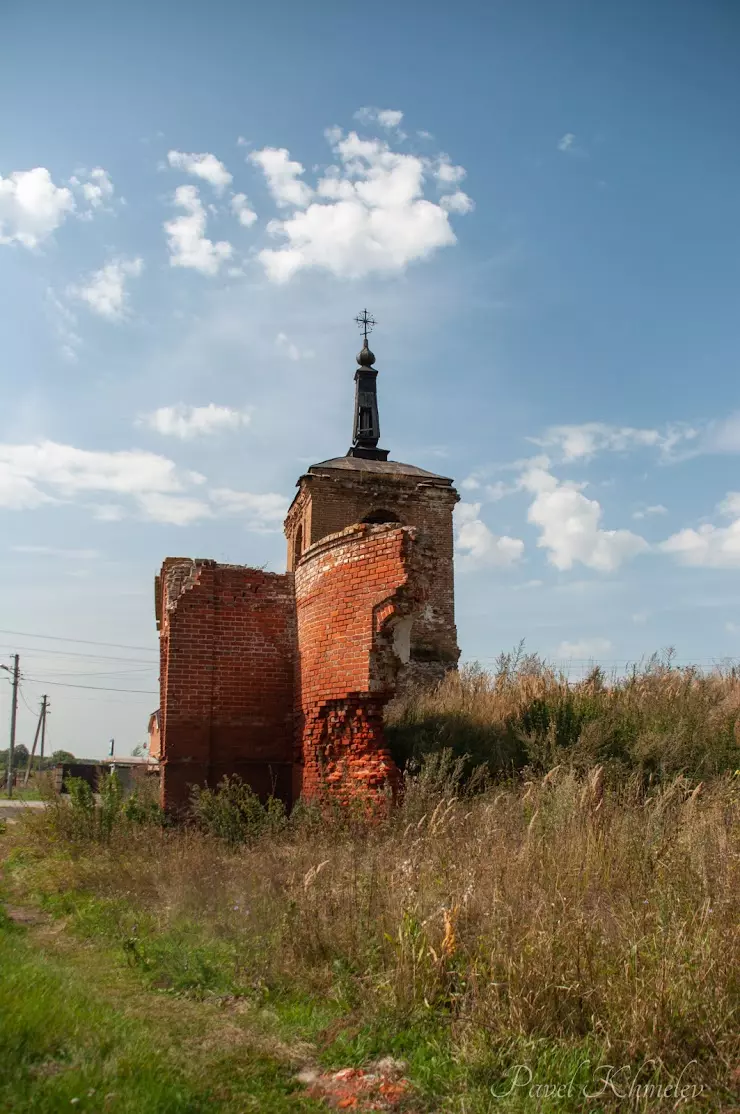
[
  {"x": 566, "y": 910},
  {"x": 659, "y": 720}
]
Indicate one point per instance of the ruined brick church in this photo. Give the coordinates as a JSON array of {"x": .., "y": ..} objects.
[{"x": 282, "y": 678}]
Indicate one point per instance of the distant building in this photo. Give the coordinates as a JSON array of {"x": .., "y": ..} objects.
[{"x": 155, "y": 738}]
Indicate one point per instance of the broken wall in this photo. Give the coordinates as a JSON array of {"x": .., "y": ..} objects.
[
  {"x": 227, "y": 677},
  {"x": 357, "y": 595}
]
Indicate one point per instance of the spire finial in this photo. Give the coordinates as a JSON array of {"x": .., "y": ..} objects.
[{"x": 366, "y": 322}]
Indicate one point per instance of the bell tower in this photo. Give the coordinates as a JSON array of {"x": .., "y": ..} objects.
[{"x": 363, "y": 486}]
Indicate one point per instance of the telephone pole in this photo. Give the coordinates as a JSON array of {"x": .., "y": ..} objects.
[
  {"x": 44, "y": 713},
  {"x": 13, "y": 715},
  {"x": 40, "y": 726}
]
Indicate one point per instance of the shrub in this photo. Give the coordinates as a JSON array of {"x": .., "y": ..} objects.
[{"x": 233, "y": 811}]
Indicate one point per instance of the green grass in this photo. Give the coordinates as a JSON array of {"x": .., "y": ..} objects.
[{"x": 78, "y": 1033}]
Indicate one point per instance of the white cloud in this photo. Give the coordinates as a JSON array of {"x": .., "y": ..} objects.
[
  {"x": 457, "y": 202},
  {"x": 584, "y": 648},
  {"x": 66, "y": 471},
  {"x": 569, "y": 524},
  {"x": 567, "y": 142},
  {"x": 578, "y": 442},
  {"x": 283, "y": 176},
  {"x": 187, "y": 422},
  {"x": 98, "y": 189},
  {"x": 722, "y": 436},
  {"x": 260, "y": 512},
  {"x": 447, "y": 174},
  {"x": 173, "y": 510},
  {"x": 647, "y": 512},
  {"x": 479, "y": 547},
  {"x": 292, "y": 351},
  {"x": 205, "y": 166},
  {"x": 367, "y": 215},
  {"x": 105, "y": 292},
  {"x": 188, "y": 244},
  {"x": 32, "y": 207},
  {"x": 242, "y": 210},
  {"x": 389, "y": 118},
  {"x": 710, "y": 546}
]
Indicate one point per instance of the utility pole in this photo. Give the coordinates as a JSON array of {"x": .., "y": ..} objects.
[
  {"x": 41, "y": 725},
  {"x": 13, "y": 715},
  {"x": 44, "y": 713}
]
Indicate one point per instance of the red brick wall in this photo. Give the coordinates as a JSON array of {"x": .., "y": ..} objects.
[
  {"x": 331, "y": 499},
  {"x": 356, "y": 592},
  {"x": 227, "y": 671}
]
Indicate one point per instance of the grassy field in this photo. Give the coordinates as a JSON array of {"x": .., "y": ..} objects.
[{"x": 563, "y": 940}]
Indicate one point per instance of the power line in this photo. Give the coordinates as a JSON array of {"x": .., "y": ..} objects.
[
  {"x": 32, "y": 651},
  {"x": 103, "y": 673},
  {"x": 20, "y": 690},
  {"x": 83, "y": 641},
  {"x": 95, "y": 688}
]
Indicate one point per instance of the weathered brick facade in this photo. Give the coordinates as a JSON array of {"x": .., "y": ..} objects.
[
  {"x": 227, "y": 669},
  {"x": 357, "y": 593},
  {"x": 282, "y": 679},
  {"x": 340, "y": 492}
]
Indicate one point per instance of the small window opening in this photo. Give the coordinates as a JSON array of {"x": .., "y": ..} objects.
[{"x": 375, "y": 518}]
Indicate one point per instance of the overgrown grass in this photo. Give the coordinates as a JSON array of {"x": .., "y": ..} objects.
[
  {"x": 560, "y": 923},
  {"x": 658, "y": 721}
]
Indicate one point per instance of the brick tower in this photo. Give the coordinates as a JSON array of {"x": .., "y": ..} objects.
[{"x": 365, "y": 487}]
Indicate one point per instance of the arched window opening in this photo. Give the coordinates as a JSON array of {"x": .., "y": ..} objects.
[
  {"x": 297, "y": 546},
  {"x": 379, "y": 516}
]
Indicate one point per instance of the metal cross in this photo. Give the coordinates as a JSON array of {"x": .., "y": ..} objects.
[{"x": 366, "y": 322}]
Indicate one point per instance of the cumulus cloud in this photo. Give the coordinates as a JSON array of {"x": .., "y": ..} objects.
[
  {"x": 710, "y": 546},
  {"x": 242, "y": 210},
  {"x": 579, "y": 442},
  {"x": 569, "y": 525},
  {"x": 584, "y": 648},
  {"x": 188, "y": 244},
  {"x": 283, "y": 176},
  {"x": 205, "y": 166},
  {"x": 98, "y": 189},
  {"x": 32, "y": 207},
  {"x": 105, "y": 292},
  {"x": 367, "y": 214},
  {"x": 187, "y": 422},
  {"x": 389, "y": 118},
  {"x": 477, "y": 546}
]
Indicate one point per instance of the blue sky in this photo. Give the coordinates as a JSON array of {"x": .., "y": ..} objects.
[{"x": 540, "y": 204}]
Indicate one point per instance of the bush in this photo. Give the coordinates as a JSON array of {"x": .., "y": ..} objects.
[{"x": 233, "y": 811}]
